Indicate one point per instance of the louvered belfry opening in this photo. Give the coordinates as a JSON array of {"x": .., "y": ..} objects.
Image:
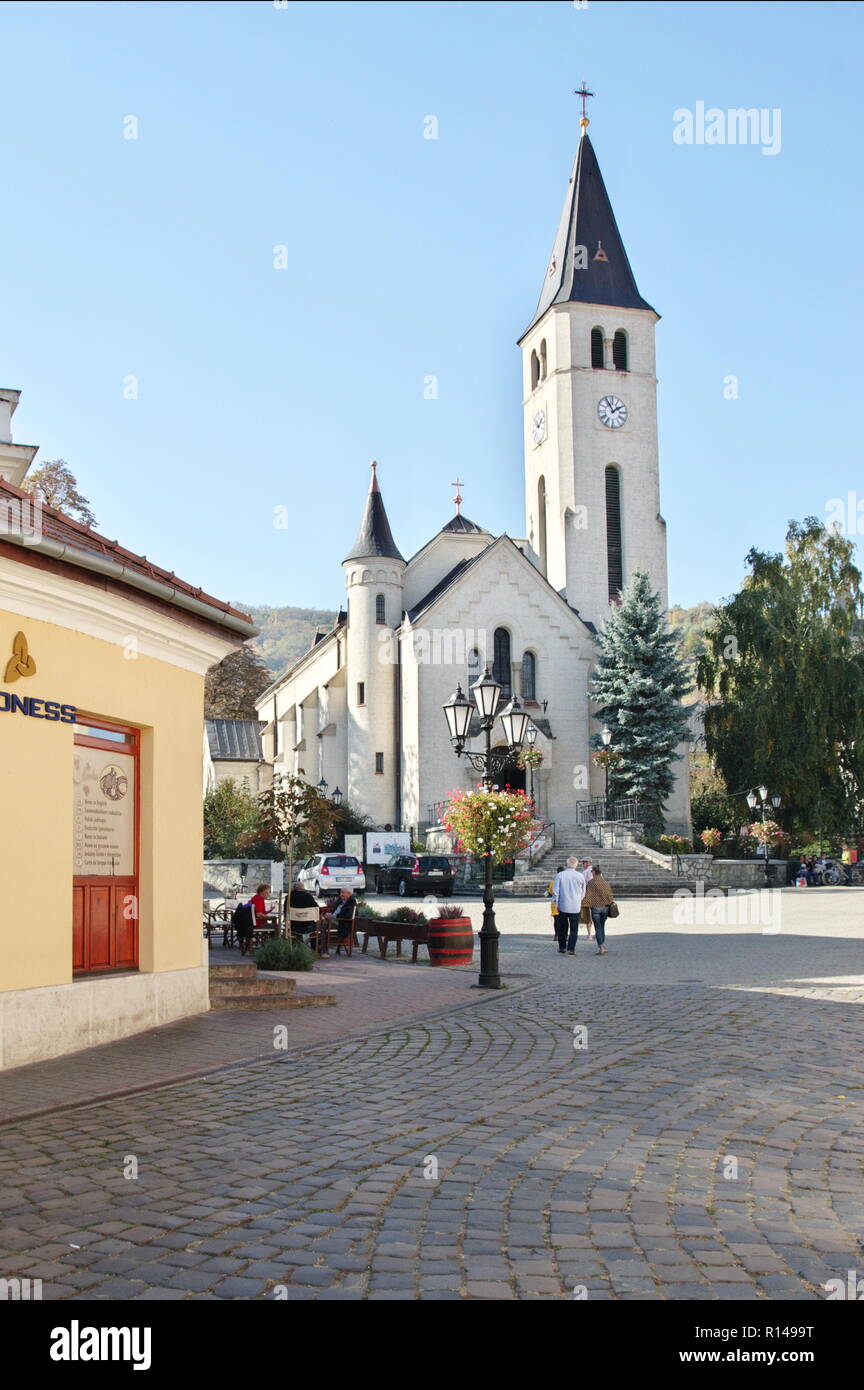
[
  {"x": 619, "y": 351},
  {"x": 596, "y": 347},
  {"x": 614, "y": 557}
]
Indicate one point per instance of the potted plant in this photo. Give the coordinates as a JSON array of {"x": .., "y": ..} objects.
[{"x": 451, "y": 937}]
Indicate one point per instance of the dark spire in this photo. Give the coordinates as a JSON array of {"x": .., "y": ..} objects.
[
  {"x": 600, "y": 273},
  {"x": 374, "y": 537}
]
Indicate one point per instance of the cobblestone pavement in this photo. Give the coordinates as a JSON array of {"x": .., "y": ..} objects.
[{"x": 705, "y": 1144}]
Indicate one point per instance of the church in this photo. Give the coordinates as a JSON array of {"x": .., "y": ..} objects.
[{"x": 362, "y": 709}]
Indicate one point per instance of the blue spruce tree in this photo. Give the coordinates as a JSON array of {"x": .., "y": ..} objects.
[{"x": 637, "y": 685}]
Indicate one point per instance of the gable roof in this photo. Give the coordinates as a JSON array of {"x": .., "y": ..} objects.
[
  {"x": 458, "y": 572},
  {"x": 587, "y": 220},
  {"x": 234, "y": 740}
]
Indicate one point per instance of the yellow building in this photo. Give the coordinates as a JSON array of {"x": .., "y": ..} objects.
[{"x": 102, "y": 664}]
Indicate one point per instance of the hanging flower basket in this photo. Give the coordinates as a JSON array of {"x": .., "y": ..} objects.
[{"x": 494, "y": 823}]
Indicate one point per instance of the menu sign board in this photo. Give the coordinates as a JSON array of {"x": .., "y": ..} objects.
[{"x": 104, "y": 812}]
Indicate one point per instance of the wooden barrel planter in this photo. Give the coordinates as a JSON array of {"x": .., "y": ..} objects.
[{"x": 451, "y": 941}]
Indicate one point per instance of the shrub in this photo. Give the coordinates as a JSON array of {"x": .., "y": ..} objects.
[
  {"x": 407, "y": 914},
  {"x": 278, "y": 954},
  {"x": 674, "y": 844},
  {"x": 446, "y": 911}
]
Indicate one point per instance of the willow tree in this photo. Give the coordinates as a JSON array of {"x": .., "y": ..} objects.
[{"x": 784, "y": 678}]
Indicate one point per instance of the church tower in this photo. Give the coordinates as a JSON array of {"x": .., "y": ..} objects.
[
  {"x": 592, "y": 487},
  {"x": 373, "y": 576}
]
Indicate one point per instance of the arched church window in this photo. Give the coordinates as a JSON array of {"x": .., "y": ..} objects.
[
  {"x": 541, "y": 522},
  {"x": 614, "y": 554},
  {"x": 501, "y": 662},
  {"x": 619, "y": 351},
  {"x": 535, "y": 369},
  {"x": 529, "y": 676},
  {"x": 596, "y": 347},
  {"x": 380, "y": 609},
  {"x": 543, "y": 360}
]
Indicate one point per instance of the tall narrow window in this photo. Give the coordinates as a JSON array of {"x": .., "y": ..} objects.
[
  {"x": 614, "y": 557},
  {"x": 543, "y": 360},
  {"x": 380, "y": 609},
  {"x": 361, "y": 692},
  {"x": 535, "y": 369},
  {"x": 541, "y": 522},
  {"x": 275, "y": 729},
  {"x": 529, "y": 676},
  {"x": 619, "y": 351},
  {"x": 379, "y": 764},
  {"x": 596, "y": 347},
  {"x": 501, "y": 663}
]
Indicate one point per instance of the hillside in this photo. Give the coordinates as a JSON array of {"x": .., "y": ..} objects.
[{"x": 286, "y": 633}]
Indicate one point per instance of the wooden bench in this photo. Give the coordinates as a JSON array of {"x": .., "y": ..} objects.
[{"x": 385, "y": 932}]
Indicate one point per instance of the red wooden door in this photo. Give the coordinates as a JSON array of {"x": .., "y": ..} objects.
[{"x": 105, "y": 885}]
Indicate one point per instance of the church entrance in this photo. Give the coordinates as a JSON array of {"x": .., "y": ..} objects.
[{"x": 511, "y": 776}]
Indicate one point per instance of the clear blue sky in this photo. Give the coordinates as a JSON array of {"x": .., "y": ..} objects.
[{"x": 406, "y": 257}]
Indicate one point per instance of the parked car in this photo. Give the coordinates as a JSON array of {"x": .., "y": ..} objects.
[
  {"x": 327, "y": 873},
  {"x": 416, "y": 873}
]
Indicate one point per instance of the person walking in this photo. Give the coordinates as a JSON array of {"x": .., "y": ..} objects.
[
  {"x": 599, "y": 898},
  {"x": 552, "y": 908},
  {"x": 587, "y": 870},
  {"x": 568, "y": 891}
]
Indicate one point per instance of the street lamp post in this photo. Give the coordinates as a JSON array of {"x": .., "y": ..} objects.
[
  {"x": 759, "y": 796},
  {"x": 458, "y": 712},
  {"x": 606, "y": 737},
  {"x": 531, "y": 738}
]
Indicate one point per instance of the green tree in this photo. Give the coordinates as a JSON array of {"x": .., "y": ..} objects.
[
  {"x": 233, "y": 826},
  {"x": 638, "y": 684},
  {"x": 297, "y": 817},
  {"x": 784, "y": 673},
  {"x": 232, "y": 686},
  {"x": 55, "y": 484}
]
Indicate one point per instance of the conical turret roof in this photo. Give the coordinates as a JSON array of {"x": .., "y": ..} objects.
[{"x": 374, "y": 539}]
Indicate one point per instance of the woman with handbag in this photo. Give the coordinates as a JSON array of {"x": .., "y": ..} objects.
[{"x": 598, "y": 900}]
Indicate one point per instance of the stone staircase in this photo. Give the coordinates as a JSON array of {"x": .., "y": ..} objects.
[
  {"x": 243, "y": 986},
  {"x": 628, "y": 872}
]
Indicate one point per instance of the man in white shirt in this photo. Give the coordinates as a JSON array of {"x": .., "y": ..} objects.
[{"x": 568, "y": 891}]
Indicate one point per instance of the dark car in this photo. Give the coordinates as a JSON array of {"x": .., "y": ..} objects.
[{"x": 416, "y": 873}]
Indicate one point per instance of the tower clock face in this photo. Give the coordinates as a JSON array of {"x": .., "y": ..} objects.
[
  {"x": 538, "y": 427},
  {"x": 612, "y": 412}
]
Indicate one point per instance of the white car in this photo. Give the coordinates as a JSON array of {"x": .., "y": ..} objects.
[{"x": 327, "y": 873}]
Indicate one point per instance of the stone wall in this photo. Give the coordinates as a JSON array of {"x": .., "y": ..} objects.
[{"x": 222, "y": 877}]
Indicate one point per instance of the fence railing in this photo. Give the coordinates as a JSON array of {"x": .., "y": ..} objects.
[{"x": 590, "y": 812}]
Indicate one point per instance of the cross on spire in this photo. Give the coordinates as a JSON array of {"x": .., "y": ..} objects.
[
  {"x": 583, "y": 93},
  {"x": 458, "y": 498}
]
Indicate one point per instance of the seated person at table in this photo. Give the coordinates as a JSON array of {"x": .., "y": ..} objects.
[
  {"x": 341, "y": 916},
  {"x": 299, "y": 898},
  {"x": 259, "y": 905}
]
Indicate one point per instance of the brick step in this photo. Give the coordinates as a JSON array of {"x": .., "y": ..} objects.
[
  {"x": 256, "y": 1002},
  {"x": 240, "y": 969},
  {"x": 244, "y": 984}
]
